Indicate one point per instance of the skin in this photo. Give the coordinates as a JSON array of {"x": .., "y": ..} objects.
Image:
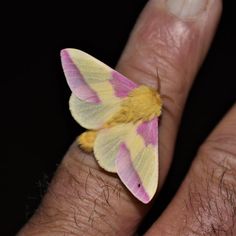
[{"x": 82, "y": 199}]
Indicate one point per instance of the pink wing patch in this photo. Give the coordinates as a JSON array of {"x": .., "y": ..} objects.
[
  {"x": 148, "y": 130},
  {"x": 76, "y": 81},
  {"x": 128, "y": 174},
  {"x": 136, "y": 172},
  {"x": 121, "y": 85}
]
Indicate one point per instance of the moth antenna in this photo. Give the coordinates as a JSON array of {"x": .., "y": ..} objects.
[
  {"x": 159, "y": 87},
  {"x": 158, "y": 81},
  {"x": 164, "y": 96}
]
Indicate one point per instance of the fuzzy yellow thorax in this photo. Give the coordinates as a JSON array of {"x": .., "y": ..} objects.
[{"x": 142, "y": 103}]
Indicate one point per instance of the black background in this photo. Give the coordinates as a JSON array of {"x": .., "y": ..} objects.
[{"x": 37, "y": 127}]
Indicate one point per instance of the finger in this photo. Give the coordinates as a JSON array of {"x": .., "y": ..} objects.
[
  {"x": 84, "y": 199},
  {"x": 206, "y": 201},
  {"x": 171, "y": 38}
]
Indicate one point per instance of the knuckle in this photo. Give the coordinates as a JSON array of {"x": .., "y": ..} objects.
[
  {"x": 220, "y": 149},
  {"x": 168, "y": 49},
  {"x": 158, "y": 52},
  {"x": 212, "y": 193},
  {"x": 218, "y": 161}
]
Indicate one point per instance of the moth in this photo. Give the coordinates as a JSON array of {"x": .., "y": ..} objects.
[{"x": 121, "y": 118}]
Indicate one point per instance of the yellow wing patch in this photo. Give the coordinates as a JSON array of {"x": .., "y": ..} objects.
[
  {"x": 107, "y": 145},
  {"x": 92, "y": 116}
]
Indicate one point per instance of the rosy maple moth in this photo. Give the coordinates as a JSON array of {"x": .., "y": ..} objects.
[{"x": 122, "y": 121}]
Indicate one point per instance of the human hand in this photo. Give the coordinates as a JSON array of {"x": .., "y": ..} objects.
[{"x": 84, "y": 200}]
